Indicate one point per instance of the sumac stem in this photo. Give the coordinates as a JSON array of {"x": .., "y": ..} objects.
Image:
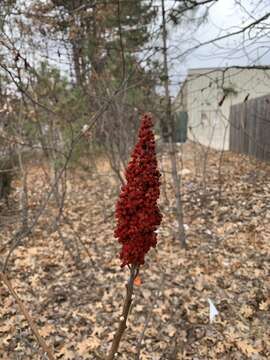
[{"x": 123, "y": 319}]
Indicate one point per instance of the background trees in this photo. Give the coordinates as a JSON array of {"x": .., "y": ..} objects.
[
  {"x": 74, "y": 78},
  {"x": 76, "y": 74}
]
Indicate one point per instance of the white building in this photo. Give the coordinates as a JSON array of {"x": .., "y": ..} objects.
[{"x": 207, "y": 95}]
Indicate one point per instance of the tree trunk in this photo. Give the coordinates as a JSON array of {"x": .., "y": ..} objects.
[{"x": 181, "y": 236}]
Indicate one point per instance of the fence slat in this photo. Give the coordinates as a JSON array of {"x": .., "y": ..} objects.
[{"x": 250, "y": 128}]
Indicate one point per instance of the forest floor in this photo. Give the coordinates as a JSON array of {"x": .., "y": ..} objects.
[{"x": 77, "y": 308}]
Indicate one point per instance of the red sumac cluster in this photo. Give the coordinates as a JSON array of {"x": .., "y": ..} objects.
[{"x": 137, "y": 212}]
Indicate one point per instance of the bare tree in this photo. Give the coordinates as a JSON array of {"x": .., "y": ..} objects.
[{"x": 180, "y": 235}]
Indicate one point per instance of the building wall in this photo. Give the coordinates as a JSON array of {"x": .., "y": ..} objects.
[{"x": 207, "y": 95}]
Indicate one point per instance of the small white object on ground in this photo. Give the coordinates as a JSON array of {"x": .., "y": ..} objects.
[
  {"x": 85, "y": 128},
  {"x": 185, "y": 172},
  {"x": 212, "y": 311},
  {"x": 186, "y": 227}
]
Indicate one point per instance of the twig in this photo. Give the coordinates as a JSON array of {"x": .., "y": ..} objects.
[
  {"x": 149, "y": 315},
  {"x": 125, "y": 312},
  {"x": 141, "y": 338},
  {"x": 31, "y": 323}
]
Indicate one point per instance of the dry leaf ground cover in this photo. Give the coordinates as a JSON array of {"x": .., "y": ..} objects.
[{"x": 227, "y": 215}]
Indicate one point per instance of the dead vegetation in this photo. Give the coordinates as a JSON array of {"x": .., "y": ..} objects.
[{"x": 76, "y": 308}]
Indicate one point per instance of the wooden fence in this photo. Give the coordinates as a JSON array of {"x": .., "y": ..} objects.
[{"x": 250, "y": 128}]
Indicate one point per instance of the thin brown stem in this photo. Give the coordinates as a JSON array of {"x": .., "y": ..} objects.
[
  {"x": 140, "y": 342},
  {"x": 180, "y": 235},
  {"x": 125, "y": 312},
  {"x": 31, "y": 323}
]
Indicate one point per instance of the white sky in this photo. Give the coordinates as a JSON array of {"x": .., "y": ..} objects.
[{"x": 224, "y": 16}]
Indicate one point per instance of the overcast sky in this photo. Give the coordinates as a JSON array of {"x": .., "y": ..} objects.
[{"x": 224, "y": 17}]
